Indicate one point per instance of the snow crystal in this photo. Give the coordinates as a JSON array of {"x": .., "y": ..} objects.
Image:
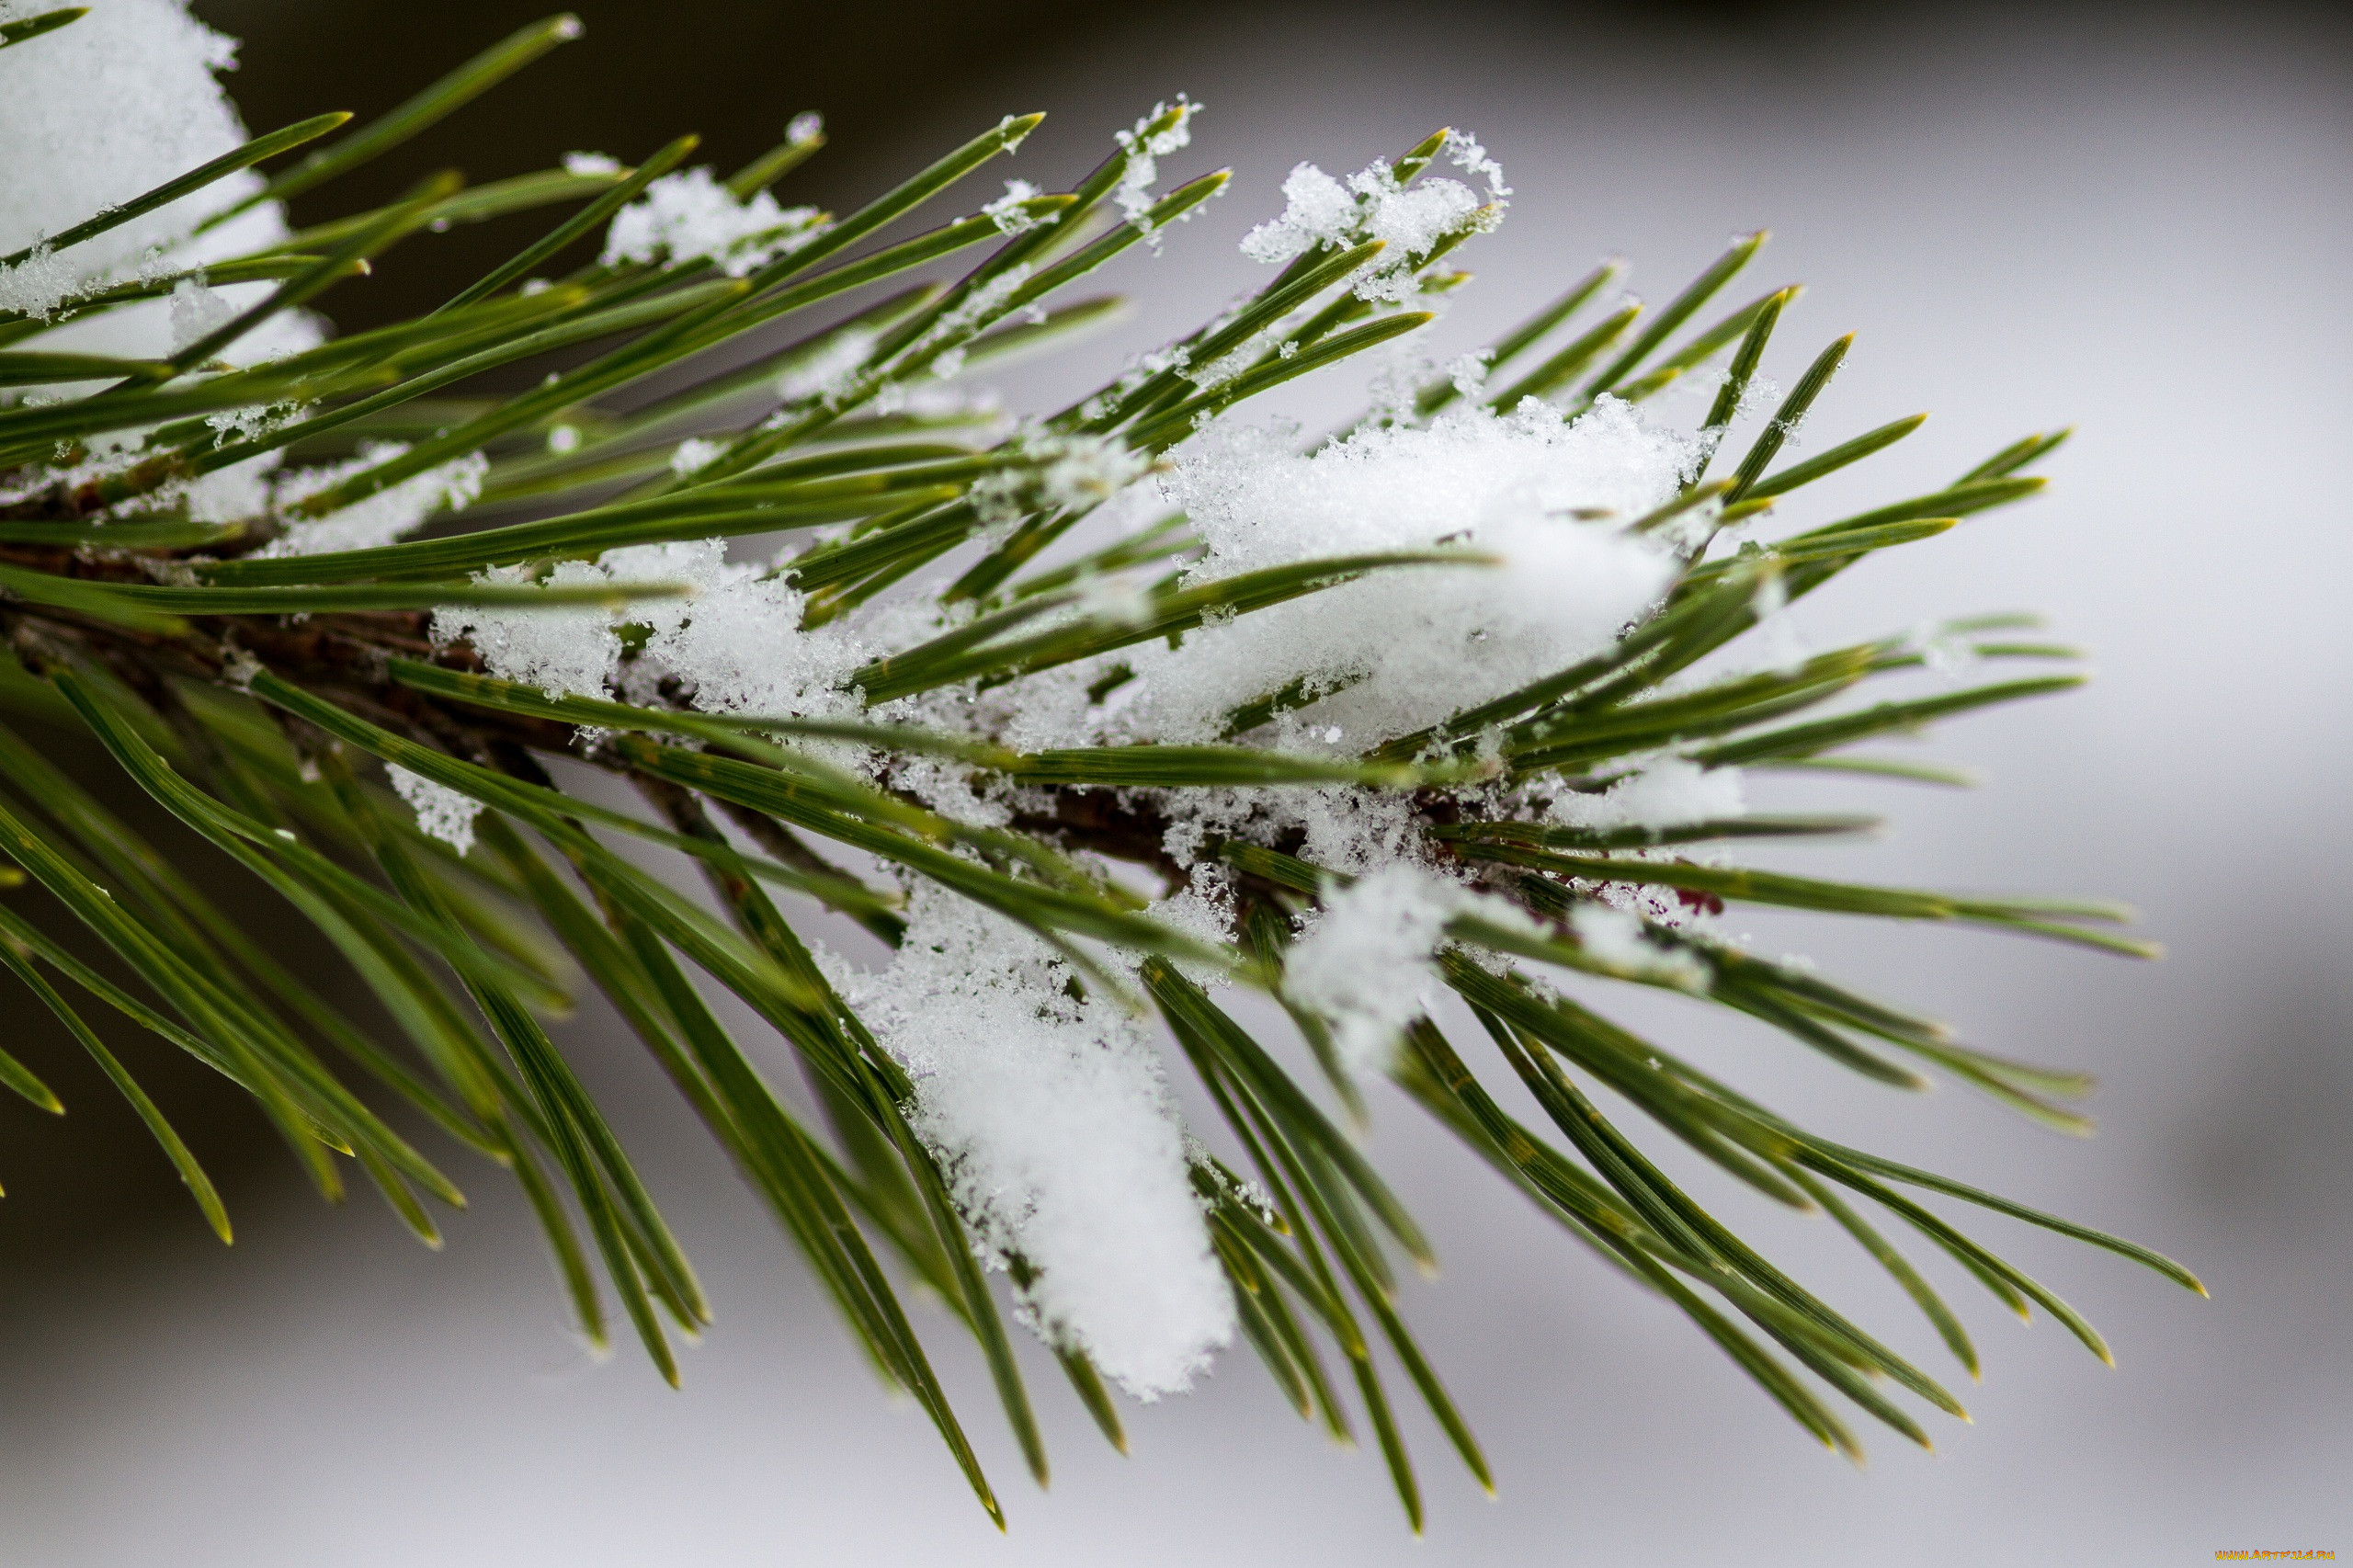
[
  {"x": 1408, "y": 219},
  {"x": 693, "y": 455},
  {"x": 1084, "y": 470},
  {"x": 1356, "y": 830},
  {"x": 691, "y": 216},
  {"x": 1013, "y": 142},
  {"x": 1463, "y": 150},
  {"x": 382, "y": 518},
  {"x": 1053, "y": 1118},
  {"x": 804, "y": 127},
  {"x": 1317, "y": 211},
  {"x": 1947, "y": 652},
  {"x": 1365, "y": 963},
  {"x": 1411, "y": 645},
  {"x": 590, "y": 163},
  {"x": 36, "y": 286},
  {"x": 1145, "y": 148},
  {"x": 564, "y": 650},
  {"x": 983, "y": 305},
  {"x": 152, "y": 65},
  {"x": 1116, "y": 598},
  {"x": 442, "y": 812},
  {"x": 1071, "y": 473},
  {"x": 1006, "y": 211},
  {"x": 828, "y": 370},
  {"x": 1467, "y": 373},
  {"x": 735, "y": 646}
]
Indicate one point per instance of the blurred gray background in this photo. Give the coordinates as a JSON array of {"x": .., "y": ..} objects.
[{"x": 2136, "y": 221}]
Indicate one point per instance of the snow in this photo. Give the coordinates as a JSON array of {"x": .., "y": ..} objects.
[
  {"x": 565, "y": 650},
  {"x": 1317, "y": 211},
  {"x": 692, "y": 216},
  {"x": 693, "y": 455},
  {"x": 35, "y": 286},
  {"x": 1053, "y": 1118},
  {"x": 1467, "y": 373},
  {"x": 196, "y": 312},
  {"x": 1145, "y": 148},
  {"x": 1408, "y": 218},
  {"x": 1116, "y": 599},
  {"x": 1615, "y": 936},
  {"x": 1005, "y": 210},
  {"x": 828, "y": 372},
  {"x": 152, "y": 66},
  {"x": 1418, "y": 643},
  {"x": 1670, "y": 791},
  {"x": 1063, "y": 473},
  {"x": 735, "y": 646},
  {"x": 1365, "y": 962},
  {"x": 1463, "y": 150},
  {"x": 441, "y": 813},
  {"x": 1947, "y": 652},
  {"x": 983, "y": 305},
  {"x": 229, "y": 494},
  {"x": 380, "y": 518},
  {"x": 1204, "y": 911},
  {"x": 1013, "y": 138}
]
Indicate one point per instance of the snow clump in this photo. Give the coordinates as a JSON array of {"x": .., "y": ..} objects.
[
  {"x": 383, "y": 519},
  {"x": 1404, "y": 646},
  {"x": 1408, "y": 219},
  {"x": 1006, "y": 211},
  {"x": 441, "y": 813},
  {"x": 690, "y": 216},
  {"x": 1365, "y": 964},
  {"x": 1053, "y": 1118},
  {"x": 693, "y": 455},
  {"x": 1671, "y": 791},
  {"x": 152, "y": 67},
  {"x": 735, "y": 646}
]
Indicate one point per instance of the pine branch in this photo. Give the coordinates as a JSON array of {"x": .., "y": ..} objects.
[{"x": 1395, "y": 780}]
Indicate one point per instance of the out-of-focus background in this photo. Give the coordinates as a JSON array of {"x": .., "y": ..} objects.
[{"x": 2135, "y": 221}]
